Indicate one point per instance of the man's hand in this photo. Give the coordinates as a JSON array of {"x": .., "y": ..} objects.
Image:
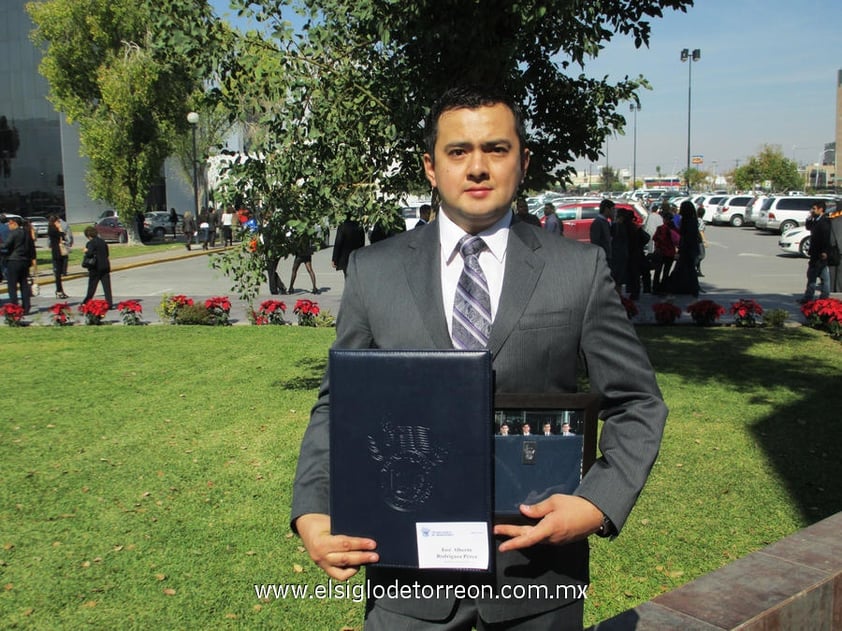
[
  {"x": 339, "y": 556},
  {"x": 563, "y": 518}
]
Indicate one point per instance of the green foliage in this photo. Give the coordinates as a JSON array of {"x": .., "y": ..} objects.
[
  {"x": 339, "y": 105},
  {"x": 193, "y": 314},
  {"x": 770, "y": 165},
  {"x": 127, "y": 94},
  {"x": 775, "y": 318},
  {"x": 245, "y": 264}
]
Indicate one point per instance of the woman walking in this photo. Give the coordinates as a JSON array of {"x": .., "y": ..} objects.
[
  {"x": 59, "y": 251},
  {"x": 99, "y": 269}
]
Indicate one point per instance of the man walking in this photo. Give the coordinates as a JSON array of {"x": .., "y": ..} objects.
[{"x": 551, "y": 222}]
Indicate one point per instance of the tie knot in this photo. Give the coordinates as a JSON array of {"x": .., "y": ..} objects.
[{"x": 471, "y": 246}]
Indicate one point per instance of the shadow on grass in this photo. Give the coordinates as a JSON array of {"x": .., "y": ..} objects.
[
  {"x": 801, "y": 439},
  {"x": 309, "y": 377}
]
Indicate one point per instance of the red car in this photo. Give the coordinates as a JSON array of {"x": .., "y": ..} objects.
[
  {"x": 577, "y": 217},
  {"x": 110, "y": 229}
]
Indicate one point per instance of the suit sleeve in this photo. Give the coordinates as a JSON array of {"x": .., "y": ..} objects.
[
  {"x": 633, "y": 409},
  {"x": 311, "y": 487}
]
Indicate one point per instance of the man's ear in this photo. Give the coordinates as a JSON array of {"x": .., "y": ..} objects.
[{"x": 429, "y": 170}]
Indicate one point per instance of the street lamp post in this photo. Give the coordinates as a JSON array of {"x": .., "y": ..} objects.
[
  {"x": 634, "y": 107},
  {"x": 193, "y": 119},
  {"x": 687, "y": 56}
]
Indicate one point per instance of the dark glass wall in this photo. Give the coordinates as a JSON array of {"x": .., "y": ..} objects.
[{"x": 31, "y": 175}]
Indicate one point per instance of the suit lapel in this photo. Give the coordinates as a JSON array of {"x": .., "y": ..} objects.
[
  {"x": 523, "y": 268},
  {"x": 422, "y": 267}
]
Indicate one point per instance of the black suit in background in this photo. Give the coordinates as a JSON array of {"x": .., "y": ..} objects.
[
  {"x": 101, "y": 273},
  {"x": 350, "y": 236}
]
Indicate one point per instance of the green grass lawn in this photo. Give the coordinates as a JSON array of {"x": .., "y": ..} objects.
[{"x": 145, "y": 471}]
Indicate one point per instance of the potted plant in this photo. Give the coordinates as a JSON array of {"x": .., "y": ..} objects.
[
  {"x": 666, "y": 312},
  {"x": 61, "y": 314},
  {"x": 306, "y": 310},
  {"x": 219, "y": 308},
  {"x": 705, "y": 312},
  {"x": 269, "y": 312},
  {"x": 13, "y": 314},
  {"x": 94, "y": 311},
  {"x": 746, "y": 312},
  {"x": 131, "y": 312}
]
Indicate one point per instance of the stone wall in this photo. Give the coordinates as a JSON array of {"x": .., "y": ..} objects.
[{"x": 795, "y": 583}]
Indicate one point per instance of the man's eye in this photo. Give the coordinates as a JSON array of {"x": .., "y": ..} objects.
[{"x": 456, "y": 152}]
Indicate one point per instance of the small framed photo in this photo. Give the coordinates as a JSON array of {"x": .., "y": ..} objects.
[{"x": 543, "y": 444}]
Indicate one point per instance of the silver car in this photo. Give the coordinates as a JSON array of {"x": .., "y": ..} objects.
[{"x": 40, "y": 224}]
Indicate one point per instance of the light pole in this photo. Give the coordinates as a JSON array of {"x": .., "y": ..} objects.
[
  {"x": 634, "y": 107},
  {"x": 687, "y": 56},
  {"x": 193, "y": 119}
]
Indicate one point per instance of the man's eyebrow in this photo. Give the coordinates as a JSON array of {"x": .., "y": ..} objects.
[{"x": 486, "y": 144}]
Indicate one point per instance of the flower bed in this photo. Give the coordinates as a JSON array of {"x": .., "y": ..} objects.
[{"x": 824, "y": 314}]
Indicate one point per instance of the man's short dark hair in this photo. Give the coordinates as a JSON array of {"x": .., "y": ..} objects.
[
  {"x": 605, "y": 205},
  {"x": 821, "y": 204},
  {"x": 469, "y": 97}
]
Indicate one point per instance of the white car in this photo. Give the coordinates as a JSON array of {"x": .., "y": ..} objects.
[{"x": 796, "y": 241}]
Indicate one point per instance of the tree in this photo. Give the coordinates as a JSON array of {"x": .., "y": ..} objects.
[
  {"x": 127, "y": 95},
  {"x": 610, "y": 179},
  {"x": 770, "y": 165},
  {"x": 696, "y": 177},
  {"x": 342, "y": 102}
]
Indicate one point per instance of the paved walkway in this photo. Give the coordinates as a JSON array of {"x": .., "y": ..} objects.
[{"x": 332, "y": 283}]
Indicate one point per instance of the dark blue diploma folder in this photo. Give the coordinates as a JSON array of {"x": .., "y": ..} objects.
[{"x": 410, "y": 441}]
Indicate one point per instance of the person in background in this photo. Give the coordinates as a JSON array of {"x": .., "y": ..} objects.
[
  {"x": 59, "y": 252},
  {"x": 551, "y": 222},
  {"x": 424, "y": 212},
  {"x": 19, "y": 250},
  {"x": 817, "y": 268},
  {"x": 101, "y": 271},
  {"x": 350, "y": 236},
  {"x": 227, "y": 221},
  {"x": 188, "y": 227},
  {"x": 304, "y": 255},
  {"x": 173, "y": 221},
  {"x": 522, "y": 209},
  {"x": 600, "y": 232},
  {"x": 703, "y": 242},
  {"x": 683, "y": 279},
  {"x": 666, "y": 242}
]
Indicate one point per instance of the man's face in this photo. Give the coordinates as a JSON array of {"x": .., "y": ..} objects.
[
  {"x": 817, "y": 210},
  {"x": 478, "y": 165}
]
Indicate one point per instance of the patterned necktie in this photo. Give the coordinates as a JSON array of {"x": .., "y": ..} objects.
[{"x": 472, "y": 304}]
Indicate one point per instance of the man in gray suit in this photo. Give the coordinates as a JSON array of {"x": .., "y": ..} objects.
[{"x": 551, "y": 304}]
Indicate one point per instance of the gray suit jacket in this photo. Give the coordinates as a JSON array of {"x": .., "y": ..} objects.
[{"x": 557, "y": 305}]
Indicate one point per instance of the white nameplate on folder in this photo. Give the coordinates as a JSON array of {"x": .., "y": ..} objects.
[{"x": 452, "y": 545}]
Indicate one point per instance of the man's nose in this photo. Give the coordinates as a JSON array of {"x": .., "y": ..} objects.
[{"x": 478, "y": 167}]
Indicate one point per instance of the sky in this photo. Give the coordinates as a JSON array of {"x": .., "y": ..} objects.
[{"x": 767, "y": 75}]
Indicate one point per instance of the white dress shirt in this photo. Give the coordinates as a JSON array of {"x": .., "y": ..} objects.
[{"x": 492, "y": 260}]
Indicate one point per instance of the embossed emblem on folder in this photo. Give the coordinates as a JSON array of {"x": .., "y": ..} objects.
[{"x": 407, "y": 454}]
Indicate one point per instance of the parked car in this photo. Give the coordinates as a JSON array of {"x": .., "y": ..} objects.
[
  {"x": 40, "y": 224},
  {"x": 711, "y": 203},
  {"x": 796, "y": 241},
  {"x": 731, "y": 210},
  {"x": 578, "y": 217},
  {"x": 110, "y": 229},
  {"x": 753, "y": 210},
  {"x": 785, "y": 212},
  {"x": 157, "y": 223}
]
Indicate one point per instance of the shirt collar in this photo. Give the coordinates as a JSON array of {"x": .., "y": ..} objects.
[{"x": 496, "y": 237}]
